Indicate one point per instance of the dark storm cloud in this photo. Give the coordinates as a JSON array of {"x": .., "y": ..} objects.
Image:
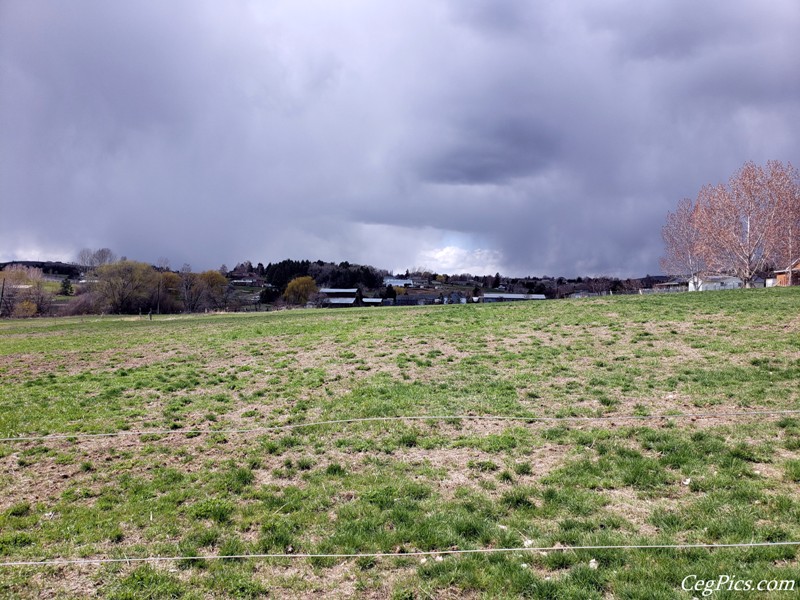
[
  {"x": 493, "y": 149},
  {"x": 543, "y": 137}
]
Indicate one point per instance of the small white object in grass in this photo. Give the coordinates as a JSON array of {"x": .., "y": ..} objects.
[
  {"x": 438, "y": 559},
  {"x": 423, "y": 561},
  {"x": 687, "y": 481},
  {"x": 524, "y": 565},
  {"x": 503, "y": 527},
  {"x": 593, "y": 564},
  {"x": 542, "y": 553},
  {"x": 527, "y": 543}
]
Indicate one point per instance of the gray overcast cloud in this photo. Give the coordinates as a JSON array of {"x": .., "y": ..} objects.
[{"x": 465, "y": 135}]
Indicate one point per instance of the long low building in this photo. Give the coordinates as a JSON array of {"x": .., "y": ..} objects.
[
  {"x": 709, "y": 283},
  {"x": 503, "y": 297},
  {"x": 339, "y": 292}
]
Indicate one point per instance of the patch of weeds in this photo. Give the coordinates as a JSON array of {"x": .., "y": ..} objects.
[
  {"x": 518, "y": 498},
  {"x": 408, "y": 439},
  {"x": 232, "y": 547},
  {"x": 335, "y": 470},
  {"x": 13, "y": 540},
  {"x": 523, "y": 468},
  {"x": 792, "y": 470},
  {"x": 20, "y": 509},
  {"x": 214, "y": 509},
  {"x": 278, "y": 535},
  {"x": 146, "y": 582},
  {"x": 236, "y": 479},
  {"x": 505, "y": 476},
  {"x": 482, "y": 466}
]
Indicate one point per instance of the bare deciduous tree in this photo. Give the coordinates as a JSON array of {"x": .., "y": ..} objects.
[
  {"x": 96, "y": 258},
  {"x": 24, "y": 292},
  {"x": 191, "y": 289},
  {"x": 739, "y": 223},
  {"x": 741, "y": 228},
  {"x": 682, "y": 242},
  {"x": 785, "y": 184}
]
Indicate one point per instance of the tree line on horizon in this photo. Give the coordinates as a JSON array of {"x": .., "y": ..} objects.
[
  {"x": 747, "y": 227},
  {"x": 118, "y": 285}
]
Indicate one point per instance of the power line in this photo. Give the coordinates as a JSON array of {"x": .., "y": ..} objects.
[
  {"x": 141, "y": 559},
  {"x": 291, "y": 426}
]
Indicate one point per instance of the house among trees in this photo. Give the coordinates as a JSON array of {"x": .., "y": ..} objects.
[
  {"x": 397, "y": 282},
  {"x": 790, "y": 276},
  {"x": 709, "y": 283},
  {"x": 252, "y": 281}
]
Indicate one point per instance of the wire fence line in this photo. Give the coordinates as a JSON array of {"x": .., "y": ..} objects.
[
  {"x": 417, "y": 553},
  {"x": 290, "y": 426}
]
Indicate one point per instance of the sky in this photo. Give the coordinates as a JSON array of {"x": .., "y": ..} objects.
[{"x": 529, "y": 138}]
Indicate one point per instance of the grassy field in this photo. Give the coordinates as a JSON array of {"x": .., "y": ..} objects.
[{"x": 405, "y": 486}]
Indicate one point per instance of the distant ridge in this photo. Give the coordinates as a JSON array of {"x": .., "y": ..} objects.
[{"x": 48, "y": 267}]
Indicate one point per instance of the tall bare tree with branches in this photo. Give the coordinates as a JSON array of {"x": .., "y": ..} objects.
[
  {"x": 739, "y": 223},
  {"x": 682, "y": 242},
  {"x": 784, "y": 182},
  {"x": 742, "y": 228}
]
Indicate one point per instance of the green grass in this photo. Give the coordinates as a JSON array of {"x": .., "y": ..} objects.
[{"x": 404, "y": 486}]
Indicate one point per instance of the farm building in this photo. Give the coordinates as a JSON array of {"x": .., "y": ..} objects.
[
  {"x": 711, "y": 283},
  {"x": 339, "y": 297},
  {"x": 790, "y": 276},
  {"x": 416, "y": 299},
  {"x": 675, "y": 285},
  {"x": 504, "y": 297},
  {"x": 396, "y": 282}
]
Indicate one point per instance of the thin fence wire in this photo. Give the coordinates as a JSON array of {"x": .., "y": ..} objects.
[
  {"x": 526, "y": 419},
  {"x": 421, "y": 553}
]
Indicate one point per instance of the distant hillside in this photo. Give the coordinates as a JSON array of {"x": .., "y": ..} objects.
[{"x": 47, "y": 267}]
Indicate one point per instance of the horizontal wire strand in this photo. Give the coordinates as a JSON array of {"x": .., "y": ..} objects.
[
  {"x": 79, "y": 436},
  {"x": 88, "y": 561}
]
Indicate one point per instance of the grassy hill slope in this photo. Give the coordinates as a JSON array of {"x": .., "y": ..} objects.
[{"x": 590, "y": 476}]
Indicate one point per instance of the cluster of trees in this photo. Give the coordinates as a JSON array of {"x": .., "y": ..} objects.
[
  {"x": 128, "y": 287},
  {"x": 747, "y": 227},
  {"x": 279, "y": 275},
  {"x": 91, "y": 259},
  {"x": 23, "y": 292},
  {"x": 321, "y": 273}
]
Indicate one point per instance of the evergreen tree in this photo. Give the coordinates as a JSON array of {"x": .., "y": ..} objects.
[{"x": 66, "y": 287}]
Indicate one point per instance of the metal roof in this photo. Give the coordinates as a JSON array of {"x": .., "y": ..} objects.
[
  {"x": 338, "y": 291},
  {"x": 493, "y": 296},
  {"x": 340, "y": 300}
]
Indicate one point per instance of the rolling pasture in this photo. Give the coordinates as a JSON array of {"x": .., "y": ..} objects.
[{"x": 640, "y": 420}]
